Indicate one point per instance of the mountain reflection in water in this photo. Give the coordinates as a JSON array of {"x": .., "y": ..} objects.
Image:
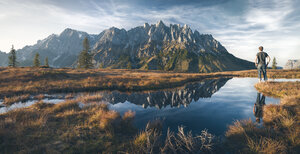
[{"x": 173, "y": 97}]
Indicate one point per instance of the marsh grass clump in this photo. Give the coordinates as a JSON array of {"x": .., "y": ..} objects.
[
  {"x": 89, "y": 98},
  {"x": 147, "y": 141},
  {"x": 279, "y": 116},
  {"x": 246, "y": 137},
  {"x": 39, "y": 97},
  {"x": 266, "y": 145},
  {"x": 65, "y": 106},
  {"x": 14, "y": 99},
  {"x": 185, "y": 142},
  {"x": 151, "y": 140}
]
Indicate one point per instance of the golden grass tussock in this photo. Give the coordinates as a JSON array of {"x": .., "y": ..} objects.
[
  {"x": 246, "y": 137},
  {"x": 266, "y": 145},
  {"x": 68, "y": 105},
  {"x": 278, "y": 116},
  {"x": 141, "y": 139},
  {"x": 90, "y": 98},
  {"x": 150, "y": 141},
  {"x": 39, "y": 97},
  {"x": 240, "y": 127},
  {"x": 14, "y": 99}
]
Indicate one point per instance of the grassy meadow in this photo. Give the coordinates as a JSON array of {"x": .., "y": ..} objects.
[
  {"x": 19, "y": 82},
  {"x": 68, "y": 128},
  {"x": 23, "y": 81}
]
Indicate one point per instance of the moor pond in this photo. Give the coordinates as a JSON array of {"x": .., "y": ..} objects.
[{"x": 210, "y": 104}]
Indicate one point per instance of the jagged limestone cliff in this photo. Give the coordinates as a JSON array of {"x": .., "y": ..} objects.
[{"x": 155, "y": 47}]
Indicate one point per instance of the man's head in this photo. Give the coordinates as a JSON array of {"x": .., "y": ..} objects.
[{"x": 261, "y": 48}]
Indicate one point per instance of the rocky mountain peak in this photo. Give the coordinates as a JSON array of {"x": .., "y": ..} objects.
[
  {"x": 67, "y": 32},
  {"x": 146, "y": 25},
  {"x": 185, "y": 26},
  {"x": 160, "y": 24}
]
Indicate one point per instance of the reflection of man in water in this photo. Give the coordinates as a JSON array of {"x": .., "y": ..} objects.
[{"x": 258, "y": 107}]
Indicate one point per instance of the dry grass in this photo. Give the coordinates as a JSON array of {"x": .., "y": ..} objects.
[
  {"x": 266, "y": 145},
  {"x": 90, "y": 98},
  {"x": 295, "y": 73},
  {"x": 11, "y": 100},
  {"x": 64, "y": 128},
  {"x": 245, "y": 137},
  {"x": 281, "y": 131},
  {"x": 147, "y": 141},
  {"x": 67, "y": 128},
  {"x": 39, "y": 97},
  {"x": 18, "y": 81},
  {"x": 150, "y": 141},
  {"x": 279, "y": 89},
  {"x": 28, "y": 80},
  {"x": 185, "y": 142},
  {"x": 279, "y": 116}
]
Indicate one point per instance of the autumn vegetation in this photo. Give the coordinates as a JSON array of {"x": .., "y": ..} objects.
[
  {"x": 64, "y": 127},
  {"x": 67, "y": 127},
  {"x": 28, "y": 80}
]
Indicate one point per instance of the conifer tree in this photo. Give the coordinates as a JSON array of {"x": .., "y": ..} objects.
[
  {"x": 12, "y": 58},
  {"x": 85, "y": 58},
  {"x": 46, "y": 62},
  {"x": 36, "y": 61},
  {"x": 274, "y": 64}
]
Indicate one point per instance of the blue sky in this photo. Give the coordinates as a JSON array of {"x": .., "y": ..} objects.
[{"x": 240, "y": 25}]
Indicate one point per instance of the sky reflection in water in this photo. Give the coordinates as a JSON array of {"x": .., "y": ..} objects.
[{"x": 233, "y": 101}]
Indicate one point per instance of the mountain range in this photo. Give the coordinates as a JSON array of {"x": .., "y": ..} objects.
[{"x": 153, "y": 47}]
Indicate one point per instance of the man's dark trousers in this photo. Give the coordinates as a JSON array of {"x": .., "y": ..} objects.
[{"x": 262, "y": 68}]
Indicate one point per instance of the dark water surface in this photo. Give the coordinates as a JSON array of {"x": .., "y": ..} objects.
[{"x": 211, "y": 104}]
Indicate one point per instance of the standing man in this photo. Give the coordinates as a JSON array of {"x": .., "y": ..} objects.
[{"x": 260, "y": 63}]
